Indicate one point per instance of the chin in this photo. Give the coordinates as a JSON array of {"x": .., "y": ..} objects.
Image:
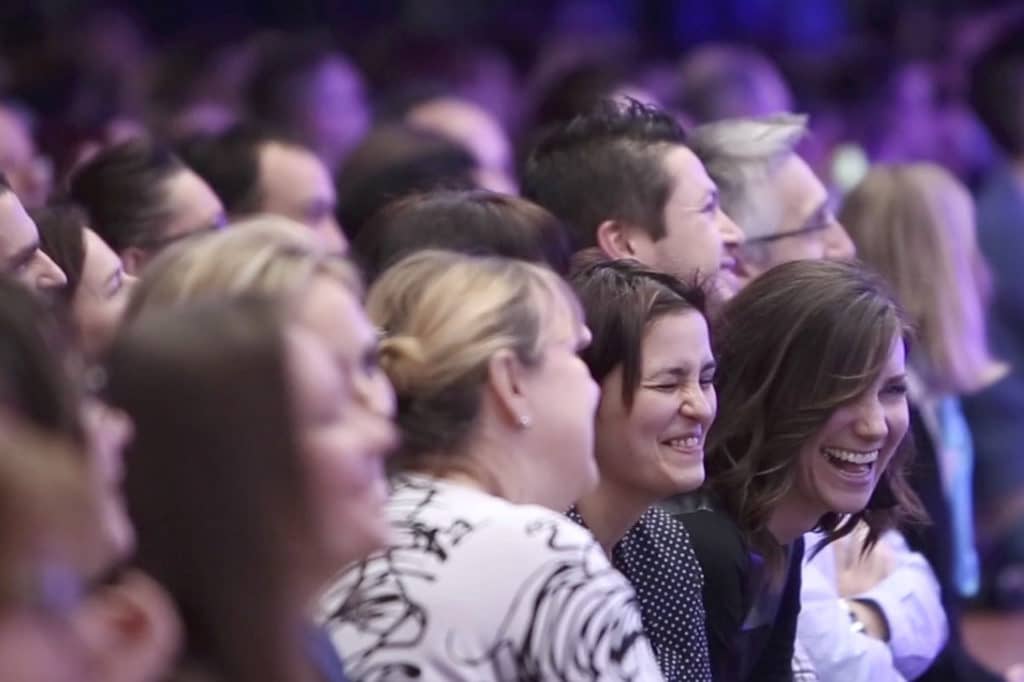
[{"x": 847, "y": 503}]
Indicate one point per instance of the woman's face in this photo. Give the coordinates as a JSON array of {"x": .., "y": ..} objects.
[
  {"x": 562, "y": 398},
  {"x": 346, "y": 444},
  {"x": 841, "y": 465},
  {"x": 102, "y": 294},
  {"x": 656, "y": 449},
  {"x": 331, "y": 312}
]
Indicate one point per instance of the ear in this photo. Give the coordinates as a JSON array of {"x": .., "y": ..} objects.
[
  {"x": 507, "y": 383},
  {"x": 134, "y": 259},
  {"x": 132, "y": 629},
  {"x": 619, "y": 239}
]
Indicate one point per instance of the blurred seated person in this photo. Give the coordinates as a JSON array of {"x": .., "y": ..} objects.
[
  {"x": 20, "y": 254},
  {"x": 98, "y": 287},
  {"x": 302, "y": 86},
  {"x": 394, "y": 161},
  {"x": 255, "y": 171},
  {"x": 139, "y": 197},
  {"x": 473, "y": 127}
]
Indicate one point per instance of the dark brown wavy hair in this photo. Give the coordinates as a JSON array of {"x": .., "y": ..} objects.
[{"x": 797, "y": 343}]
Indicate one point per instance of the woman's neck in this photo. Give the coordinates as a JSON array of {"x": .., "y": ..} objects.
[
  {"x": 610, "y": 512},
  {"x": 793, "y": 517}
]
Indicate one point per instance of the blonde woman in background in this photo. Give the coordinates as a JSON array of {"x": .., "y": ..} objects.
[
  {"x": 345, "y": 439},
  {"x": 484, "y": 578},
  {"x": 914, "y": 224}
]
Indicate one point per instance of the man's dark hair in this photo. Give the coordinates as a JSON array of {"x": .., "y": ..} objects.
[
  {"x": 605, "y": 165},
  {"x": 230, "y": 163},
  {"x": 5, "y": 184},
  {"x": 122, "y": 190},
  {"x": 997, "y": 91}
]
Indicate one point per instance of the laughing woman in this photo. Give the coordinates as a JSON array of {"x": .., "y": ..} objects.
[
  {"x": 812, "y": 392},
  {"x": 651, "y": 354}
]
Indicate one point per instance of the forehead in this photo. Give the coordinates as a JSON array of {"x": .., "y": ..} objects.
[
  {"x": 688, "y": 179},
  {"x": 192, "y": 202},
  {"x": 16, "y": 228},
  {"x": 288, "y": 169},
  {"x": 679, "y": 334}
]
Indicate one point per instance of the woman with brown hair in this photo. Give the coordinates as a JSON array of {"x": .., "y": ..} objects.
[
  {"x": 812, "y": 388},
  {"x": 651, "y": 353},
  {"x": 245, "y": 418},
  {"x": 914, "y": 224}
]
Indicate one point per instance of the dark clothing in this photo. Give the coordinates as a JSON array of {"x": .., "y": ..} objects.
[
  {"x": 658, "y": 559},
  {"x": 751, "y": 624},
  {"x": 934, "y": 541}
]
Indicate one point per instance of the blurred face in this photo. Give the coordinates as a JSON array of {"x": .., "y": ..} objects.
[
  {"x": 699, "y": 237},
  {"x": 37, "y": 643},
  {"x": 656, "y": 449},
  {"x": 335, "y": 111},
  {"x": 331, "y": 312},
  {"x": 562, "y": 399},
  {"x": 192, "y": 205},
  {"x": 20, "y": 255},
  {"x": 102, "y": 294},
  {"x": 807, "y": 228},
  {"x": 296, "y": 184},
  {"x": 346, "y": 444},
  {"x": 841, "y": 465},
  {"x": 29, "y": 174}
]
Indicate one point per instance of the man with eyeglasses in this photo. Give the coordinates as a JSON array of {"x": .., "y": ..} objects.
[
  {"x": 770, "y": 192},
  {"x": 863, "y": 618}
]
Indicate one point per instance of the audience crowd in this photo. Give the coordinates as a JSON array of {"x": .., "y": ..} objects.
[{"x": 622, "y": 371}]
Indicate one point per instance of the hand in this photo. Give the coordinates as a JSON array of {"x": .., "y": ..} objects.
[
  {"x": 856, "y": 573},
  {"x": 874, "y": 622}
]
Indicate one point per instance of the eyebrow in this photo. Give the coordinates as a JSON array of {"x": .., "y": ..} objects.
[{"x": 683, "y": 370}]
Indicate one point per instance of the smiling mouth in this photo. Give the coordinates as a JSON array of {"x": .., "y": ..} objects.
[
  {"x": 687, "y": 444},
  {"x": 851, "y": 462}
]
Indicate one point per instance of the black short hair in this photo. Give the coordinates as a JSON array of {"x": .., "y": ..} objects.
[
  {"x": 476, "y": 222},
  {"x": 121, "y": 189},
  {"x": 230, "y": 163},
  {"x": 997, "y": 91},
  {"x": 605, "y": 164}
]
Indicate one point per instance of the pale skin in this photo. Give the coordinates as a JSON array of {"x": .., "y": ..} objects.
[
  {"x": 527, "y": 415},
  {"x": 641, "y": 450}
]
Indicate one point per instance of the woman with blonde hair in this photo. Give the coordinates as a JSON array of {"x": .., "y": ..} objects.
[
  {"x": 484, "y": 578},
  {"x": 914, "y": 224}
]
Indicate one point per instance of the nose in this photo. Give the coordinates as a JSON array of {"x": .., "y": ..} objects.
[
  {"x": 838, "y": 245},
  {"x": 871, "y": 424},
  {"x": 376, "y": 394},
  {"x": 731, "y": 233},
  {"x": 48, "y": 274},
  {"x": 380, "y": 433},
  {"x": 697, "y": 406}
]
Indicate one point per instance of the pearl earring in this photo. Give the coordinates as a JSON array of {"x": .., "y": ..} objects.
[{"x": 524, "y": 421}]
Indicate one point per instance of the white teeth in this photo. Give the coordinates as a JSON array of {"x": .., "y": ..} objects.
[
  {"x": 684, "y": 443},
  {"x": 852, "y": 456}
]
